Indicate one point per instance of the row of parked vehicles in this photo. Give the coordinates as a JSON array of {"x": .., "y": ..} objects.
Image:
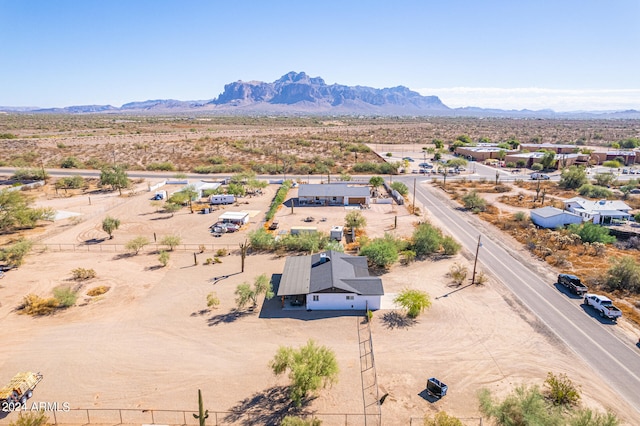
[{"x": 603, "y": 305}]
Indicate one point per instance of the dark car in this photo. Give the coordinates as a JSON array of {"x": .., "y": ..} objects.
[{"x": 573, "y": 284}]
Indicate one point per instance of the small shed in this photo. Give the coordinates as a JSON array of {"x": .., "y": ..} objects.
[
  {"x": 337, "y": 233},
  {"x": 239, "y": 218},
  {"x": 551, "y": 217}
]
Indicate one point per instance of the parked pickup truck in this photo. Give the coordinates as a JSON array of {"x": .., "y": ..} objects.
[
  {"x": 572, "y": 283},
  {"x": 603, "y": 305}
]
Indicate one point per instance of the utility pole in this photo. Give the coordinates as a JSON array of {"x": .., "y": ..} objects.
[
  {"x": 414, "y": 195},
  {"x": 475, "y": 262}
]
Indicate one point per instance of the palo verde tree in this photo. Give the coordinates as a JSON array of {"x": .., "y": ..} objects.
[
  {"x": 16, "y": 213},
  {"x": 246, "y": 293},
  {"x": 573, "y": 177},
  {"x": 354, "y": 220},
  {"x": 114, "y": 176},
  {"x": 110, "y": 224},
  {"x": 548, "y": 160},
  {"x": 310, "y": 368}
]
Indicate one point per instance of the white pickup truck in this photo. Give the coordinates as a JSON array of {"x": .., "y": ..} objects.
[{"x": 603, "y": 305}]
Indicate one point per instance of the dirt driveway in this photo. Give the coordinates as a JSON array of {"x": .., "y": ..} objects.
[{"x": 150, "y": 342}]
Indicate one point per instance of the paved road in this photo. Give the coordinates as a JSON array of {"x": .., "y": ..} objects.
[{"x": 617, "y": 361}]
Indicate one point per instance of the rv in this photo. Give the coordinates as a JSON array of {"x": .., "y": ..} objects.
[{"x": 222, "y": 199}]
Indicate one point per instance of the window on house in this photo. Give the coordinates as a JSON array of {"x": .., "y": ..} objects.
[
  {"x": 316, "y": 298},
  {"x": 349, "y": 297}
]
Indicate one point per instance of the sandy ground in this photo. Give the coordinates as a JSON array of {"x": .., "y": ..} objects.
[{"x": 150, "y": 342}]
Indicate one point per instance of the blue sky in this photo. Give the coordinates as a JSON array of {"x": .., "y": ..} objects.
[{"x": 558, "y": 54}]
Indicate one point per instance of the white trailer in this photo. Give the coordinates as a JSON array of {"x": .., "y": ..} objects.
[{"x": 222, "y": 199}]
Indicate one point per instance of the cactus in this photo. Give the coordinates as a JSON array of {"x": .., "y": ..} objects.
[{"x": 202, "y": 413}]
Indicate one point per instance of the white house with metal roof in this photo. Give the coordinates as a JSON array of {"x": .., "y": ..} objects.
[
  {"x": 551, "y": 217},
  {"x": 599, "y": 212},
  {"x": 333, "y": 194},
  {"x": 330, "y": 281}
]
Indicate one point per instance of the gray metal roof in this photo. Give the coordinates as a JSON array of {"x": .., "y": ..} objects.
[
  {"x": 296, "y": 276},
  {"x": 332, "y": 190},
  {"x": 328, "y": 272},
  {"x": 549, "y": 211}
]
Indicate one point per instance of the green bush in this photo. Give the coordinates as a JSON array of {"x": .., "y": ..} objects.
[
  {"x": 305, "y": 241},
  {"x": 278, "y": 199},
  {"x": 164, "y": 166},
  {"x": 450, "y": 246},
  {"x": 65, "y": 296},
  {"x": 536, "y": 167},
  {"x": 473, "y": 201},
  {"x": 260, "y": 239},
  {"x": 71, "y": 163},
  {"x": 589, "y": 232},
  {"x": 381, "y": 252},
  {"x": 561, "y": 390},
  {"x": 594, "y": 191},
  {"x": 30, "y": 174},
  {"x": 400, "y": 187},
  {"x": 427, "y": 239}
]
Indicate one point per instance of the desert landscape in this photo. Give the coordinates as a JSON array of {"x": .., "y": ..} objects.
[{"x": 150, "y": 342}]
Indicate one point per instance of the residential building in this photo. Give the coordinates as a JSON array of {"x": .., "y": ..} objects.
[{"x": 329, "y": 281}]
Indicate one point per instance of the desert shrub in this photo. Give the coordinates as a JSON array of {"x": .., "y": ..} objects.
[
  {"x": 502, "y": 188},
  {"x": 624, "y": 274},
  {"x": 136, "y": 244},
  {"x": 414, "y": 302},
  {"x": 98, "y": 291},
  {"x": 216, "y": 160},
  {"x": 31, "y": 418},
  {"x": 442, "y": 419},
  {"x": 306, "y": 241},
  {"x": 589, "y": 232},
  {"x": 475, "y": 202},
  {"x": 30, "y": 174},
  {"x": 260, "y": 239},
  {"x": 408, "y": 256},
  {"x": 310, "y": 367},
  {"x": 297, "y": 421},
  {"x": 15, "y": 253},
  {"x": 222, "y": 252},
  {"x": 35, "y": 305},
  {"x": 71, "y": 163},
  {"x": 520, "y": 216},
  {"x": 82, "y": 274},
  {"x": 523, "y": 403},
  {"x": 278, "y": 199},
  {"x": 400, "y": 187},
  {"x": 65, "y": 296},
  {"x": 7, "y": 136},
  {"x": 536, "y": 167},
  {"x": 426, "y": 239},
  {"x": 70, "y": 182},
  {"x": 458, "y": 273},
  {"x": 561, "y": 390},
  {"x": 381, "y": 252},
  {"x": 165, "y": 166},
  {"x": 573, "y": 177},
  {"x": 212, "y": 300},
  {"x": 594, "y": 191},
  {"x": 450, "y": 246},
  {"x": 163, "y": 257},
  {"x": 172, "y": 241},
  {"x": 216, "y": 259}
]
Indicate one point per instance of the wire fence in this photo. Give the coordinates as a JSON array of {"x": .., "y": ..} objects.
[
  {"x": 122, "y": 416},
  {"x": 466, "y": 421},
  {"x": 149, "y": 248}
]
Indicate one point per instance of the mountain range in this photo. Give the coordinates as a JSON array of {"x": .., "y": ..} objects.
[{"x": 299, "y": 94}]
